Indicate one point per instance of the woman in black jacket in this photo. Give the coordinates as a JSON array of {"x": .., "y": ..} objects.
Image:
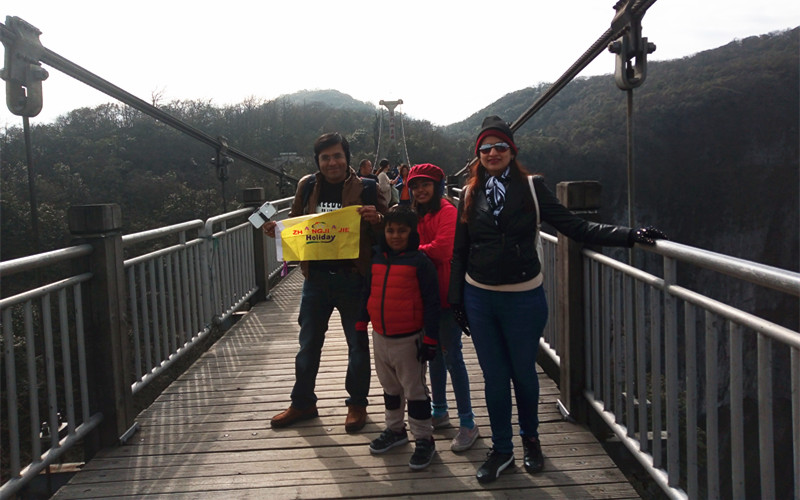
[{"x": 496, "y": 284}]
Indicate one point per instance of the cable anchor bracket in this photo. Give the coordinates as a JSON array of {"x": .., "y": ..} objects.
[
  {"x": 222, "y": 160},
  {"x": 23, "y": 71},
  {"x": 631, "y": 48}
]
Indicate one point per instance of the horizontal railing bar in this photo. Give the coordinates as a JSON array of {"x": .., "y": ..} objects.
[
  {"x": 551, "y": 353},
  {"x": 49, "y": 457},
  {"x": 220, "y": 234},
  {"x": 160, "y": 253},
  {"x": 238, "y": 304},
  {"x": 753, "y": 272},
  {"x": 209, "y": 225},
  {"x": 774, "y": 331},
  {"x": 633, "y": 272},
  {"x": 43, "y": 290},
  {"x": 39, "y": 260},
  {"x": 151, "y": 234},
  {"x": 155, "y": 371},
  {"x": 644, "y": 458}
]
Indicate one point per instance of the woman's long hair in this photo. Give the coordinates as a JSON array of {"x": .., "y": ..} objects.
[{"x": 477, "y": 179}]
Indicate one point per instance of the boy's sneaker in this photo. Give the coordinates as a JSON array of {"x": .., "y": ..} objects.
[
  {"x": 465, "y": 438},
  {"x": 441, "y": 421},
  {"x": 495, "y": 464},
  {"x": 423, "y": 454},
  {"x": 388, "y": 440}
]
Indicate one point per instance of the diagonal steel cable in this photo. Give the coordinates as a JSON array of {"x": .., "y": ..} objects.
[{"x": 87, "y": 77}]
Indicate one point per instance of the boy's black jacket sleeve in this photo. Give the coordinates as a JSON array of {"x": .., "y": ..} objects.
[{"x": 429, "y": 288}]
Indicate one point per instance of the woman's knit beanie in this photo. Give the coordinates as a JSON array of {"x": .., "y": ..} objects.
[{"x": 494, "y": 125}]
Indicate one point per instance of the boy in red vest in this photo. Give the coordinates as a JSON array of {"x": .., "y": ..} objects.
[{"x": 402, "y": 301}]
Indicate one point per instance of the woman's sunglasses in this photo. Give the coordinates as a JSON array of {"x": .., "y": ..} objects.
[{"x": 501, "y": 147}]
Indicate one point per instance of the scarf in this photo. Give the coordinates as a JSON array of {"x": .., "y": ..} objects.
[{"x": 496, "y": 193}]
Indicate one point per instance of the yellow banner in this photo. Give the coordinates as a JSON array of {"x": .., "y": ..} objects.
[{"x": 327, "y": 236}]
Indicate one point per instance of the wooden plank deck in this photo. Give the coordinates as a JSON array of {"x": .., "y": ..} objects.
[{"x": 208, "y": 434}]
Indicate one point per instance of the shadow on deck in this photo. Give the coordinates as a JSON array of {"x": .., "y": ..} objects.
[{"x": 208, "y": 434}]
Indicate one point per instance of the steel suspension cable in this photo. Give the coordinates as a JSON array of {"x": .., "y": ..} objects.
[
  {"x": 380, "y": 129},
  {"x": 71, "y": 69},
  {"x": 617, "y": 28},
  {"x": 405, "y": 146}
]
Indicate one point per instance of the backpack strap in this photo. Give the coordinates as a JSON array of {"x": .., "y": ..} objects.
[
  {"x": 307, "y": 188},
  {"x": 535, "y": 202},
  {"x": 538, "y": 237}
]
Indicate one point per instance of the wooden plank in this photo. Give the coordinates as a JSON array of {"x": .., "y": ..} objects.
[{"x": 208, "y": 434}]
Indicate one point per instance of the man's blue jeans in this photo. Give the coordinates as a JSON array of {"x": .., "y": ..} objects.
[
  {"x": 322, "y": 291},
  {"x": 449, "y": 358},
  {"x": 506, "y": 328}
]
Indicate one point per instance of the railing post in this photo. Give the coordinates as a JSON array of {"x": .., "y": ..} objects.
[
  {"x": 582, "y": 197},
  {"x": 254, "y": 198},
  {"x": 108, "y": 356}
]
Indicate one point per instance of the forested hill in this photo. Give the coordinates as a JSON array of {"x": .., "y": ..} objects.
[
  {"x": 716, "y": 151},
  {"x": 716, "y": 138}
]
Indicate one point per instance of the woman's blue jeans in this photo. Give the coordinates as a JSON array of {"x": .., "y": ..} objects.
[
  {"x": 506, "y": 328},
  {"x": 450, "y": 359}
]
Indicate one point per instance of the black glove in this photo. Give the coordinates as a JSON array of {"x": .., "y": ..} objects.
[
  {"x": 461, "y": 317},
  {"x": 647, "y": 236},
  {"x": 426, "y": 350}
]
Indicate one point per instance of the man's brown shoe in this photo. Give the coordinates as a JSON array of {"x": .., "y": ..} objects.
[
  {"x": 356, "y": 418},
  {"x": 293, "y": 415}
]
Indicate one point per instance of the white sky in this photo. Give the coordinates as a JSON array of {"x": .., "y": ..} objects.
[{"x": 445, "y": 59}]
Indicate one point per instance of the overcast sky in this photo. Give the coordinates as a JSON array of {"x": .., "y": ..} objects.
[{"x": 445, "y": 59}]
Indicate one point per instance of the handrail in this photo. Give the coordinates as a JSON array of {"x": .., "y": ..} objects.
[
  {"x": 14, "y": 266},
  {"x": 130, "y": 239},
  {"x": 649, "y": 344},
  {"x": 760, "y": 274}
]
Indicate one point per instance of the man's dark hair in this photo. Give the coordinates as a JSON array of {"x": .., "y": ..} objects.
[
  {"x": 331, "y": 139},
  {"x": 363, "y": 162},
  {"x": 400, "y": 214}
]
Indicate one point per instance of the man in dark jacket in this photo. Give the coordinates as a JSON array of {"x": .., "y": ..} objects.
[{"x": 332, "y": 284}]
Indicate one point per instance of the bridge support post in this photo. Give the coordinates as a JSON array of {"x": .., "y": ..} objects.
[
  {"x": 582, "y": 197},
  {"x": 105, "y": 329},
  {"x": 254, "y": 198}
]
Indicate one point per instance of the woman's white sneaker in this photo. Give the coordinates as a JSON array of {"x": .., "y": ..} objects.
[{"x": 465, "y": 438}]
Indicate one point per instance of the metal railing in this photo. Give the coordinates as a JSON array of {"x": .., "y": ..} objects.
[
  {"x": 166, "y": 310},
  {"x": 649, "y": 345},
  {"x": 202, "y": 274},
  {"x": 43, "y": 340},
  {"x": 655, "y": 372}
]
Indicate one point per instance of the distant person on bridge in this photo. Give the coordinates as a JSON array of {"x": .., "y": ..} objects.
[
  {"x": 496, "y": 284},
  {"x": 333, "y": 284},
  {"x": 401, "y": 298},
  {"x": 437, "y": 228},
  {"x": 365, "y": 170},
  {"x": 385, "y": 183},
  {"x": 401, "y": 184}
]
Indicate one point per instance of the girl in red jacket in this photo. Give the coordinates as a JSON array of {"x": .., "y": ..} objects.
[{"x": 437, "y": 228}]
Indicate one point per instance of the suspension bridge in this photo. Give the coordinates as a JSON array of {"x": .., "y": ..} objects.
[{"x": 620, "y": 358}]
